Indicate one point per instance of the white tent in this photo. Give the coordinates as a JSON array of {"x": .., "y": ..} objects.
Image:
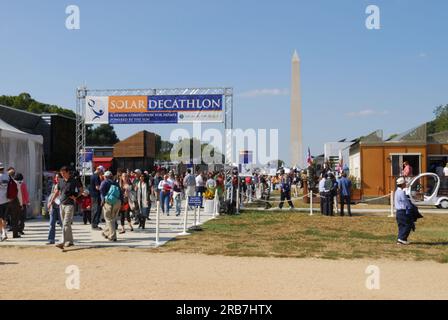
[{"x": 24, "y": 152}]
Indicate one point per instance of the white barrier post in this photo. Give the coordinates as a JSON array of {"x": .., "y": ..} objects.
[
  {"x": 335, "y": 204},
  {"x": 238, "y": 198},
  {"x": 158, "y": 223},
  {"x": 216, "y": 208},
  {"x": 194, "y": 222},
  {"x": 392, "y": 205},
  {"x": 311, "y": 202},
  {"x": 199, "y": 215},
  {"x": 185, "y": 233}
]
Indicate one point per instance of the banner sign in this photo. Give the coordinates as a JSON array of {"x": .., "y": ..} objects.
[
  {"x": 246, "y": 157},
  {"x": 195, "y": 201},
  {"x": 154, "y": 109}
]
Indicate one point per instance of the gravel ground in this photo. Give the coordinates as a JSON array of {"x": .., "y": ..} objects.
[{"x": 114, "y": 273}]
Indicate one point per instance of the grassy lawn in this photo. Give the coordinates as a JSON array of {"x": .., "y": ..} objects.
[{"x": 284, "y": 234}]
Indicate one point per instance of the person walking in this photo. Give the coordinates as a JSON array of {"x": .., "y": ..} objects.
[
  {"x": 404, "y": 216},
  {"x": 144, "y": 202},
  {"x": 3, "y": 202},
  {"x": 13, "y": 203},
  {"x": 66, "y": 190},
  {"x": 285, "y": 191},
  {"x": 24, "y": 200},
  {"x": 126, "y": 190},
  {"x": 200, "y": 185},
  {"x": 54, "y": 202},
  {"x": 95, "y": 183},
  {"x": 178, "y": 189},
  {"x": 345, "y": 187},
  {"x": 265, "y": 192},
  {"x": 189, "y": 185},
  {"x": 111, "y": 203},
  {"x": 165, "y": 188}
]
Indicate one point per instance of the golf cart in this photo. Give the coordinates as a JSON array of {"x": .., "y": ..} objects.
[{"x": 425, "y": 190}]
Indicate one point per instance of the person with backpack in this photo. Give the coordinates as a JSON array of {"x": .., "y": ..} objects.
[
  {"x": 111, "y": 199},
  {"x": 329, "y": 190}
]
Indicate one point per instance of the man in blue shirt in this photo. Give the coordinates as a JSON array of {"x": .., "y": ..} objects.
[
  {"x": 404, "y": 216},
  {"x": 95, "y": 182},
  {"x": 285, "y": 191},
  {"x": 345, "y": 189}
]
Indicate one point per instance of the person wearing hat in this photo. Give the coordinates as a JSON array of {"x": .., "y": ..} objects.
[
  {"x": 3, "y": 202},
  {"x": 404, "y": 214},
  {"x": 94, "y": 192}
]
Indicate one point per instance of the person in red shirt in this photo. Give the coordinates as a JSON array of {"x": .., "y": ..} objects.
[{"x": 86, "y": 207}]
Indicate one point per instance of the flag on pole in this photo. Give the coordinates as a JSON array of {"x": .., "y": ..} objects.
[{"x": 309, "y": 159}]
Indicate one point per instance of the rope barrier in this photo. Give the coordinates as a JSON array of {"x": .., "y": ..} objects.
[
  {"x": 272, "y": 201},
  {"x": 312, "y": 195}
]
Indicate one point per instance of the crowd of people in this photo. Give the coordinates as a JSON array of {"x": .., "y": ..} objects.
[
  {"x": 123, "y": 201},
  {"x": 14, "y": 200},
  {"x": 126, "y": 198}
]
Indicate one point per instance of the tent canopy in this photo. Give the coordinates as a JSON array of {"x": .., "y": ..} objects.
[
  {"x": 24, "y": 152},
  {"x": 8, "y": 131}
]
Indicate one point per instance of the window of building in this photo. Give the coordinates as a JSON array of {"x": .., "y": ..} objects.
[{"x": 399, "y": 159}]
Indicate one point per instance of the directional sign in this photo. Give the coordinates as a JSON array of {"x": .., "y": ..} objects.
[{"x": 195, "y": 201}]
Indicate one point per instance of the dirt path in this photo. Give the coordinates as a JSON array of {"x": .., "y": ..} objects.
[{"x": 39, "y": 273}]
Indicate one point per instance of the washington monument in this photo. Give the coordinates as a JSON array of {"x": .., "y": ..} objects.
[{"x": 296, "y": 148}]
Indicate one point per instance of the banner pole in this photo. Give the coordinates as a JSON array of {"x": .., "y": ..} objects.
[
  {"x": 185, "y": 233},
  {"x": 311, "y": 202},
  {"x": 158, "y": 224},
  {"x": 391, "y": 205}
]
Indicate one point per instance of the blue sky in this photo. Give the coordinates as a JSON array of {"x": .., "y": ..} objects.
[{"x": 354, "y": 80}]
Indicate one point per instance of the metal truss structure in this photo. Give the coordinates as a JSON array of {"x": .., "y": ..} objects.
[{"x": 83, "y": 92}]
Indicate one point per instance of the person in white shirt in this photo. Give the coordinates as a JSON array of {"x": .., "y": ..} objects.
[
  {"x": 445, "y": 170},
  {"x": 322, "y": 192},
  {"x": 4, "y": 179},
  {"x": 445, "y": 177},
  {"x": 165, "y": 187}
]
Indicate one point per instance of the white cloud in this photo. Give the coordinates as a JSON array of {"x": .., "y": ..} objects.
[
  {"x": 367, "y": 113},
  {"x": 423, "y": 55},
  {"x": 264, "y": 92}
]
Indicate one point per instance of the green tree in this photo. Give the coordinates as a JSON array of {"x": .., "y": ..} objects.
[
  {"x": 25, "y": 102},
  {"x": 194, "y": 143},
  {"x": 440, "y": 123},
  {"x": 103, "y": 135}
]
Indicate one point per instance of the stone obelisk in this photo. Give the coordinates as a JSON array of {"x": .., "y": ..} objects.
[{"x": 296, "y": 148}]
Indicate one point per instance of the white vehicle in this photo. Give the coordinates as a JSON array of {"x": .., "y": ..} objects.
[{"x": 424, "y": 190}]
